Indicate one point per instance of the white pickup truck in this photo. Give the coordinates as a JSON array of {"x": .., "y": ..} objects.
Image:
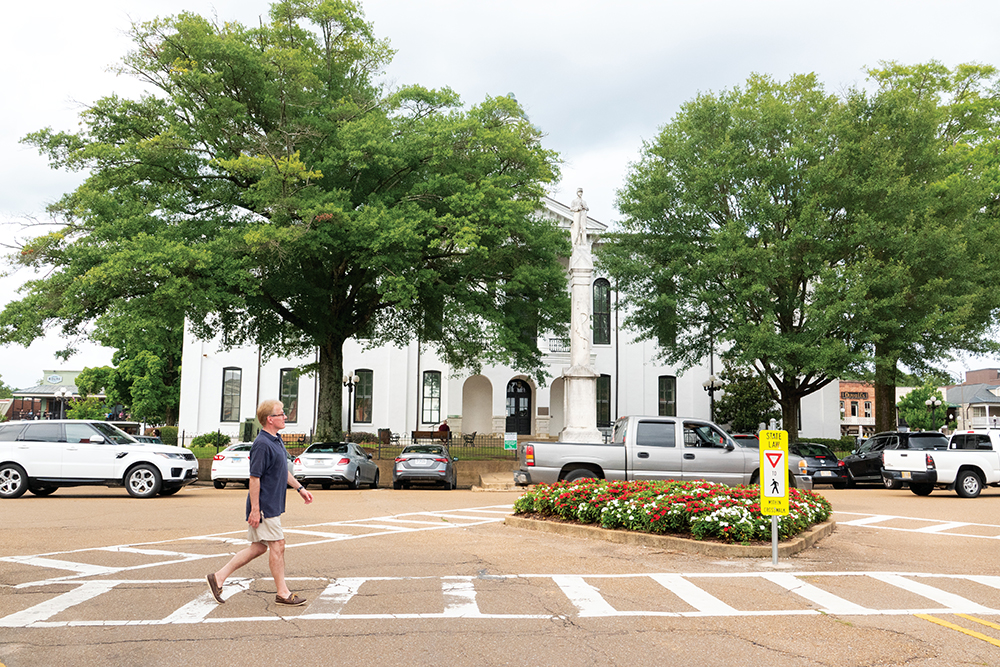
[
  {"x": 971, "y": 462},
  {"x": 658, "y": 448}
]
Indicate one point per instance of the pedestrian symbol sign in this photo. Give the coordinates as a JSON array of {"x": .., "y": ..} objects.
[{"x": 773, "y": 473}]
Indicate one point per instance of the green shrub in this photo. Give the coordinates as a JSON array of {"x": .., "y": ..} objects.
[
  {"x": 168, "y": 434},
  {"x": 361, "y": 437},
  {"x": 214, "y": 439}
]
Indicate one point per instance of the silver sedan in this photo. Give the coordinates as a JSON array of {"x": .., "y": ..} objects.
[
  {"x": 330, "y": 463},
  {"x": 424, "y": 463}
]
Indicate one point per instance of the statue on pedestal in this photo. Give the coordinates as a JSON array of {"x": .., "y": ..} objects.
[{"x": 578, "y": 230}]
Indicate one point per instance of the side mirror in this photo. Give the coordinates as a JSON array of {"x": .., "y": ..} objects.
[
  {"x": 730, "y": 446},
  {"x": 455, "y": 460},
  {"x": 96, "y": 439},
  {"x": 369, "y": 456}
]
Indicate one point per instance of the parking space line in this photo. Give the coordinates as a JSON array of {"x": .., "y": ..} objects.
[
  {"x": 49, "y": 608},
  {"x": 949, "y": 600},
  {"x": 693, "y": 596},
  {"x": 587, "y": 599},
  {"x": 940, "y": 527},
  {"x": 829, "y": 603}
]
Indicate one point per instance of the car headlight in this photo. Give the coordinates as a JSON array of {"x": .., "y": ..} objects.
[{"x": 171, "y": 456}]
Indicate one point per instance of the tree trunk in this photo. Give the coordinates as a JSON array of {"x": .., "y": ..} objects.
[
  {"x": 885, "y": 391},
  {"x": 329, "y": 408},
  {"x": 790, "y": 416}
]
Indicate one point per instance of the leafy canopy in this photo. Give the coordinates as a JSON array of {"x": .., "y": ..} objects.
[{"x": 270, "y": 191}]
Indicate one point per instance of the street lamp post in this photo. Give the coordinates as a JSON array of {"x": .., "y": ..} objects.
[
  {"x": 350, "y": 381},
  {"x": 62, "y": 393},
  {"x": 712, "y": 385},
  {"x": 932, "y": 404}
]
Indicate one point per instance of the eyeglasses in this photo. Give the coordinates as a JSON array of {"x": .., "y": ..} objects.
[{"x": 280, "y": 414}]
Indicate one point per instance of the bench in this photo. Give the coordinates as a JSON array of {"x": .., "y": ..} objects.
[{"x": 440, "y": 436}]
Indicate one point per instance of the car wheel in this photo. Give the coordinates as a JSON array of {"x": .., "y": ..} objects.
[
  {"x": 397, "y": 485},
  {"x": 143, "y": 481},
  {"x": 356, "y": 482},
  {"x": 448, "y": 486},
  {"x": 13, "y": 481},
  {"x": 968, "y": 484},
  {"x": 891, "y": 483},
  {"x": 42, "y": 490},
  {"x": 169, "y": 491},
  {"x": 840, "y": 485},
  {"x": 219, "y": 484},
  {"x": 374, "y": 483},
  {"x": 579, "y": 473},
  {"x": 921, "y": 489},
  {"x": 850, "y": 480},
  {"x": 755, "y": 478},
  {"x": 325, "y": 486}
]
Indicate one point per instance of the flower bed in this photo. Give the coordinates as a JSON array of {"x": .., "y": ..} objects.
[{"x": 698, "y": 509}]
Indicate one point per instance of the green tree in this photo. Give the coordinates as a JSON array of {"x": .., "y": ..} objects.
[
  {"x": 86, "y": 408},
  {"x": 746, "y": 402},
  {"x": 915, "y": 176},
  {"x": 811, "y": 237},
  {"x": 5, "y": 391},
  {"x": 723, "y": 239},
  {"x": 271, "y": 192},
  {"x": 913, "y": 408}
]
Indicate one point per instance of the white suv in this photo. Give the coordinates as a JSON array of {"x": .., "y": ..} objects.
[{"x": 41, "y": 456}]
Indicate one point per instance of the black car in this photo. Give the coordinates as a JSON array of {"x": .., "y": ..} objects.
[
  {"x": 821, "y": 463},
  {"x": 864, "y": 464}
]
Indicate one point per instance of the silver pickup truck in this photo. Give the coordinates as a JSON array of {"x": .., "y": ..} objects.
[{"x": 667, "y": 448}]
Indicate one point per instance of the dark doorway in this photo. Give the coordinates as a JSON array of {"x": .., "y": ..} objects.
[{"x": 518, "y": 407}]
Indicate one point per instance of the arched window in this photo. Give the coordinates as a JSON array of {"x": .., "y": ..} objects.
[{"x": 602, "y": 312}]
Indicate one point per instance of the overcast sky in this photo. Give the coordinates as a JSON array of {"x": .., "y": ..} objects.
[{"x": 598, "y": 78}]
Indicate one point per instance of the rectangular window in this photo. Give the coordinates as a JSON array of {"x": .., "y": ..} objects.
[
  {"x": 604, "y": 401},
  {"x": 602, "y": 312},
  {"x": 868, "y": 409},
  {"x": 655, "y": 434},
  {"x": 667, "y": 396},
  {"x": 290, "y": 394},
  {"x": 431, "y": 407},
  {"x": 363, "y": 397},
  {"x": 854, "y": 408},
  {"x": 232, "y": 384},
  {"x": 979, "y": 411}
]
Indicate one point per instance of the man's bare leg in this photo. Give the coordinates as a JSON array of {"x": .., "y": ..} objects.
[
  {"x": 276, "y": 561},
  {"x": 240, "y": 559}
]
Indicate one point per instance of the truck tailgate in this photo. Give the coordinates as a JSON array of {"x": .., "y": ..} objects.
[{"x": 914, "y": 460}]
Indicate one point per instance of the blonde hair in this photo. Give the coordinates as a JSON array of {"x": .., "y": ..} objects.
[{"x": 266, "y": 408}]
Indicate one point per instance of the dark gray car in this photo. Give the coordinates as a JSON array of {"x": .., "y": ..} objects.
[
  {"x": 864, "y": 464},
  {"x": 424, "y": 463}
]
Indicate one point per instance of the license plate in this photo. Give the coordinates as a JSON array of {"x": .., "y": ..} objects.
[
  {"x": 422, "y": 463},
  {"x": 906, "y": 474},
  {"x": 825, "y": 473},
  {"x": 237, "y": 459}
]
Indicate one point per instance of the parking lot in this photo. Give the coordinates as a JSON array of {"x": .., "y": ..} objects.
[{"x": 422, "y": 576}]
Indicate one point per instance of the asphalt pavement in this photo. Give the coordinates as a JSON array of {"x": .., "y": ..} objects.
[{"x": 422, "y": 576}]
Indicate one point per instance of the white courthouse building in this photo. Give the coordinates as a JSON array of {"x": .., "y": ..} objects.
[{"x": 411, "y": 389}]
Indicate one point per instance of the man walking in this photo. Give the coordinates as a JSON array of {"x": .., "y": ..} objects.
[{"x": 269, "y": 479}]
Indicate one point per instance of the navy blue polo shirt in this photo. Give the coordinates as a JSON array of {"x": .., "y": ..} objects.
[{"x": 268, "y": 462}]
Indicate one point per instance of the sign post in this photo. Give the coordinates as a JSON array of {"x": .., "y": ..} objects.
[{"x": 774, "y": 481}]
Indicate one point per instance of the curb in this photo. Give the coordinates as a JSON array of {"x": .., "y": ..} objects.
[{"x": 714, "y": 549}]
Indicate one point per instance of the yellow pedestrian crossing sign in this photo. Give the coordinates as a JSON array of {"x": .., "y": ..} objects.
[{"x": 773, "y": 472}]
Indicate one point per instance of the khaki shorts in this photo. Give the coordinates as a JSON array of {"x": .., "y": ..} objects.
[{"x": 268, "y": 530}]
